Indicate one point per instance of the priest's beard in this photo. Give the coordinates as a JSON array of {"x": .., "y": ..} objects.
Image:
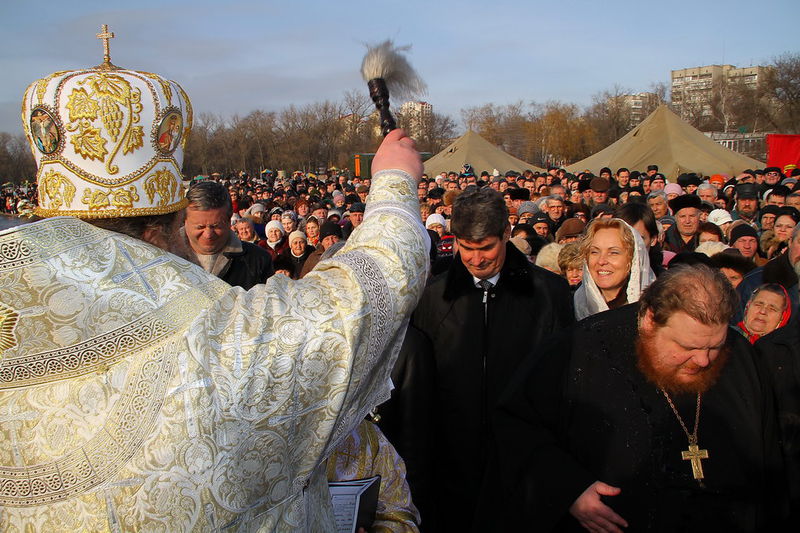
[{"x": 667, "y": 377}]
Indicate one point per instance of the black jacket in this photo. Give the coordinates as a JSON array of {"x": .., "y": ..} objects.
[
  {"x": 779, "y": 353},
  {"x": 673, "y": 241},
  {"x": 582, "y": 411},
  {"x": 407, "y": 418},
  {"x": 475, "y": 358},
  {"x": 251, "y": 266},
  {"x": 297, "y": 262}
]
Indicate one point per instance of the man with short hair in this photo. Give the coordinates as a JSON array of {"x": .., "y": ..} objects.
[
  {"x": 623, "y": 178},
  {"x": 215, "y": 246},
  {"x": 777, "y": 196},
  {"x": 555, "y": 208},
  {"x": 793, "y": 200},
  {"x": 246, "y": 231},
  {"x": 480, "y": 315},
  {"x": 658, "y": 203},
  {"x": 707, "y": 192},
  {"x": 650, "y": 417}
]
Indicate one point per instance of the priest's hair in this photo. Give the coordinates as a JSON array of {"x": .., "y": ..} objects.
[
  {"x": 703, "y": 293},
  {"x": 386, "y": 61},
  {"x": 136, "y": 226}
]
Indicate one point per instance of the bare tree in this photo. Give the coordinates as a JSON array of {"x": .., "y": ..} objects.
[{"x": 781, "y": 99}]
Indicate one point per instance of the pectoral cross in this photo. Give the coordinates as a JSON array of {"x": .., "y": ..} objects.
[
  {"x": 695, "y": 455},
  {"x": 105, "y": 35}
]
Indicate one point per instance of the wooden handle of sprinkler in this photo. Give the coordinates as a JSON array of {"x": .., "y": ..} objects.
[{"x": 380, "y": 95}]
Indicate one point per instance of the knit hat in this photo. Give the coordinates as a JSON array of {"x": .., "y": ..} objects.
[
  {"x": 434, "y": 219},
  {"x": 743, "y": 230},
  {"x": 330, "y": 228},
  {"x": 671, "y": 188},
  {"x": 274, "y": 224},
  {"x": 297, "y": 234},
  {"x": 527, "y": 207}
]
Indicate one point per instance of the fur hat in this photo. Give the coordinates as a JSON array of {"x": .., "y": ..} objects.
[{"x": 683, "y": 202}]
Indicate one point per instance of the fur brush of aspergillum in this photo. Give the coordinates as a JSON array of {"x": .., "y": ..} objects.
[{"x": 387, "y": 71}]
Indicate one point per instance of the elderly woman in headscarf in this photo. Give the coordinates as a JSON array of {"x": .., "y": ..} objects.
[
  {"x": 768, "y": 309},
  {"x": 616, "y": 267}
]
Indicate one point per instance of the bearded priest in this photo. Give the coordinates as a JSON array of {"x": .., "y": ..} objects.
[
  {"x": 140, "y": 393},
  {"x": 651, "y": 417}
]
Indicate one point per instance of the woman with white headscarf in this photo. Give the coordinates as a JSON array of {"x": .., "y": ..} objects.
[{"x": 616, "y": 267}]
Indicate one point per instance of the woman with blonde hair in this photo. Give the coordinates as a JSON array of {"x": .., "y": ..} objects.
[{"x": 616, "y": 267}]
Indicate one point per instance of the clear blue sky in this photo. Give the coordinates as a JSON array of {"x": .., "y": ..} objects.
[{"x": 244, "y": 55}]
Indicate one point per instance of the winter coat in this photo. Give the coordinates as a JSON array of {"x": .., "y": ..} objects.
[{"x": 476, "y": 352}]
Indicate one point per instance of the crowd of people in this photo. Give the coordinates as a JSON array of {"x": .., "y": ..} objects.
[
  {"x": 504, "y": 351},
  {"x": 600, "y": 241},
  {"x": 497, "y": 389},
  {"x": 16, "y": 199}
]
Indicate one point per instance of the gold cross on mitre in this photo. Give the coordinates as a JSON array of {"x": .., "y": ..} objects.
[
  {"x": 695, "y": 455},
  {"x": 105, "y": 35}
]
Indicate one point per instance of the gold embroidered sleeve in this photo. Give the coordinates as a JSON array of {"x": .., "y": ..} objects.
[{"x": 297, "y": 364}]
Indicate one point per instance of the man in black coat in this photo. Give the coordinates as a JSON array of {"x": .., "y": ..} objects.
[
  {"x": 651, "y": 417},
  {"x": 481, "y": 317},
  {"x": 214, "y": 245},
  {"x": 779, "y": 352}
]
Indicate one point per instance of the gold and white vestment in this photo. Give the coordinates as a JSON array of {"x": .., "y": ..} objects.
[{"x": 140, "y": 393}]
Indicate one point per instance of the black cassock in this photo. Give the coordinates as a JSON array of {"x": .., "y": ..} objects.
[{"x": 583, "y": 412}]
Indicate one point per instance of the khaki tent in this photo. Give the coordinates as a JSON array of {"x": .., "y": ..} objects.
[
  {"x": 481, "y": 154},
  {"x": 665, "y": 140}
]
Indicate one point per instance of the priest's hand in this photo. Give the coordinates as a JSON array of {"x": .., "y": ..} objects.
[
  {"x": 399, "y": 151},
  {"x": 593, "y": 514}
]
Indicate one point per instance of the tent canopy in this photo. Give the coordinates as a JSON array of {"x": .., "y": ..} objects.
[
  {"x": 481, "y": 154},
  {"x": 665, "y": 140}
]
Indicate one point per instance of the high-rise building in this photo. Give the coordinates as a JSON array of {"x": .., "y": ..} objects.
[
  {"x": 639, "y": 105},
  {"x": 694, "y": 89},
  {"x": 415, "y": 116}
]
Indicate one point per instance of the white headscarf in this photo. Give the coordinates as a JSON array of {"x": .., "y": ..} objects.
[{"x": 588, "y": 298}]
